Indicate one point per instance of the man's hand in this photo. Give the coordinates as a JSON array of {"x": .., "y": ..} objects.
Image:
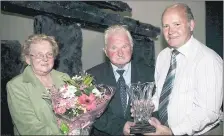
[
  {"x": 127, "y": 126},
  {"x": 160, "y": 129}
]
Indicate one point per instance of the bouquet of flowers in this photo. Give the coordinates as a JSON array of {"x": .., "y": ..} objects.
[{"x": 78, "y": 103}]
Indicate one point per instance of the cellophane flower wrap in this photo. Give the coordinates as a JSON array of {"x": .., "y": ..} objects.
[{"x": 78, "y": 103}]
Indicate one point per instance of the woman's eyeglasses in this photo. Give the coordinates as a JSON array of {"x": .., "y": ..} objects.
[{"x": 41, "y": 56}]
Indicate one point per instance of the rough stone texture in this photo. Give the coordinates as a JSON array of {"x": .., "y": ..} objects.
[
  {"x": 76, "y": 11},
  {"x": 90, "y": 16},
  {"x": 113, "y": 5},
  {"x": 69, "y": 39},
  {"x": 11, "y": 66},
  {"x": 144, "y": 51}
]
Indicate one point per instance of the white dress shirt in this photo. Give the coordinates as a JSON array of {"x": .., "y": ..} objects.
[
  {"x": 126, "y": 74},
  {"x": 197, "y": 94}
]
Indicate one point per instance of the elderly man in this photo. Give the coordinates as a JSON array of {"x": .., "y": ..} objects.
[
  {"x": 189, "y": 82},
  {"x": 119, "y": 72}
]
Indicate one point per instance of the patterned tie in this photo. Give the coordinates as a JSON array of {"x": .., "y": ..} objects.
[
  {"x": 122, "y": 87},
  {"x": 167, "y": 87}
]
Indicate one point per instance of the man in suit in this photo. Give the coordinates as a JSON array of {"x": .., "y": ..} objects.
[{"x": 118, "y": 48}]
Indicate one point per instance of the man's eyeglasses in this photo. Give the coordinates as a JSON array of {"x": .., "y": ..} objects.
[{"x": 41, "y": 56}]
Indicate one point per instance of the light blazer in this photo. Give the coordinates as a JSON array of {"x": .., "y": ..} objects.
[
  {"x": 32, "y": 115},
  {"x": 112, "y": 121}
]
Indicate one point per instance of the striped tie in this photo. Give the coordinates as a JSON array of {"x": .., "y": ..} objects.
[
  {"x": 122, "y": 87},
  {"x": 167, "y": 87}
]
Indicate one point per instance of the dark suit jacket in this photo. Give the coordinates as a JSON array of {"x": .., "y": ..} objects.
[{"x": 112, "y": 121}]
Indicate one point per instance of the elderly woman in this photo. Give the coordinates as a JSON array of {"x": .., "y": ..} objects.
[{"x": 31, "y": 114}]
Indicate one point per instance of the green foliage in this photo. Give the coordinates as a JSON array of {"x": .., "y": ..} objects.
[
  {"x": 78, "y": 93},
  {"x": 79, "y": 111},
  {"x": 88, "y": 90},
  {"x": 88, "y": 80},
  {"x": 64, "y": 128},
  {"x": 69, "y": 113}
]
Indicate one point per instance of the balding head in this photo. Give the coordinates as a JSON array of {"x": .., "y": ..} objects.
[{"x": 181, "y": 7}]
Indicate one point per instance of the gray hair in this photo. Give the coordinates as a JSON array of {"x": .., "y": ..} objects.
[
  {"x": 25, "y": 50},
  {"x": 115, "y": 28},
  {"x": 188, "y": 12}
]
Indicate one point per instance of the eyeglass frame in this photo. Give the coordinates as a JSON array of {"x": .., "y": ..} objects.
[{"x": 42, "y": 56}]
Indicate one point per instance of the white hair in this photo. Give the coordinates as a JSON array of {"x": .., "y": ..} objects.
[{"x": 116, "y": 28}]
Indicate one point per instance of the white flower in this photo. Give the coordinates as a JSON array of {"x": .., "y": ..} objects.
[
  {"x": 96, "y": 92},
  {"x": 76, "y": 77},
  {"x": 69, "y": 92}
]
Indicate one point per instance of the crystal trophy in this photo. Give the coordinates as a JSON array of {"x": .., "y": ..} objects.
[{"x": 140, "y": 95}]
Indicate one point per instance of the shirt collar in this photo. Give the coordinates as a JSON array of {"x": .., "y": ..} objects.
[
  {"x": 186, "y": 49},
  {"x": 126, "y": 68}
]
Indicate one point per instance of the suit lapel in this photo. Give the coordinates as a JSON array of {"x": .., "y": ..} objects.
[
  {"x": 37, "y": 90},
  {"x": 110, "y": 80},
  {"x": 29, "y": 77},
  {"x": 134, "y": 73}
]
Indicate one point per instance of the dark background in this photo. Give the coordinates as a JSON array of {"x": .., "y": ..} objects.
[{"x": 214, "y": 26}]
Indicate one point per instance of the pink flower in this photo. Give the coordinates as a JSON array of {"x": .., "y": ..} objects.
[
  {"x": 60, "y": 110},
  {"x": 70, "y": 103},
  {"x": 62, "y": 102},
  {"x": 88, "y": 101}
]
